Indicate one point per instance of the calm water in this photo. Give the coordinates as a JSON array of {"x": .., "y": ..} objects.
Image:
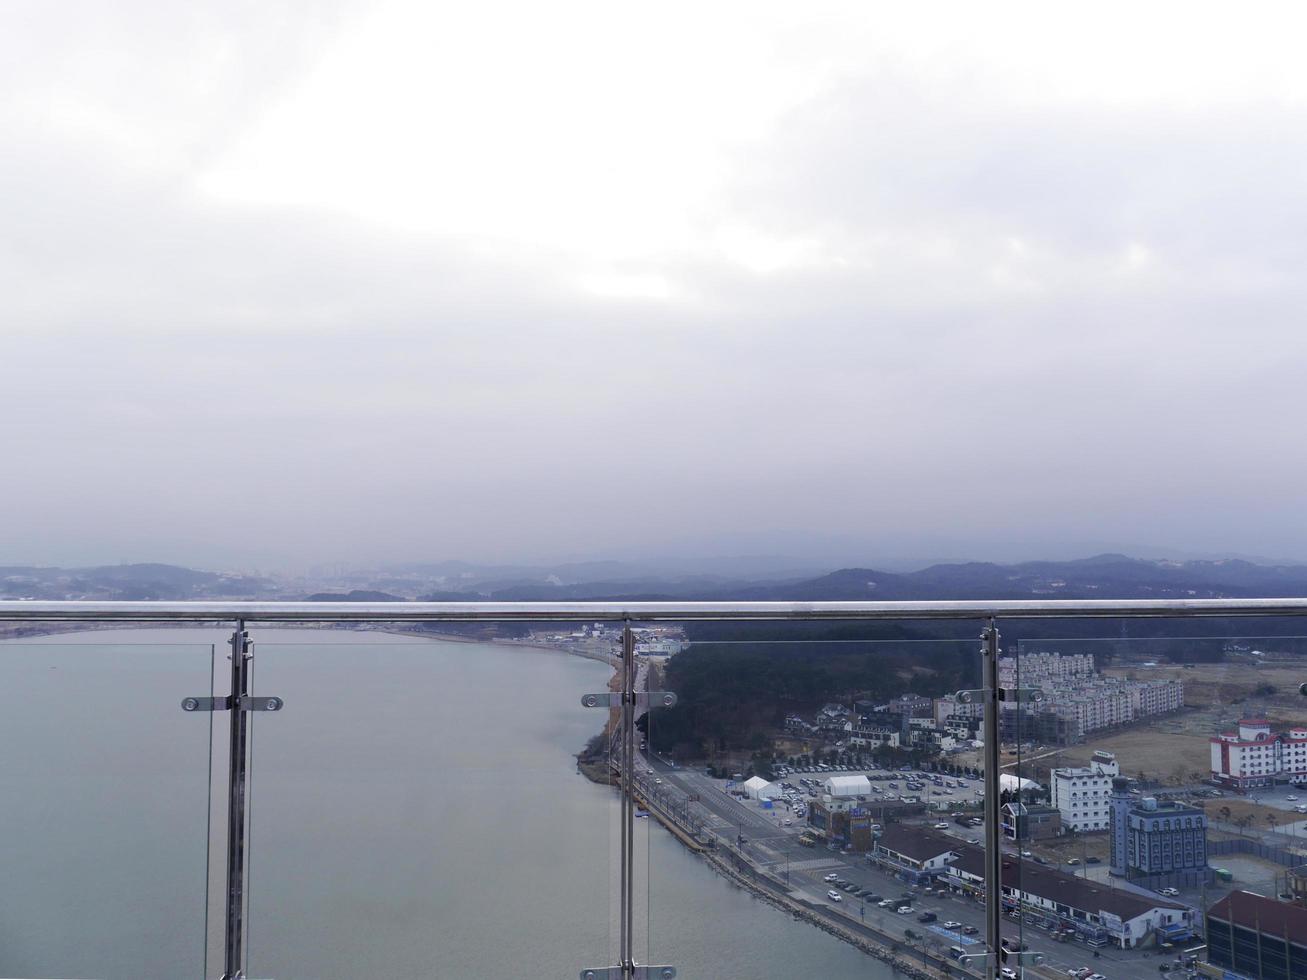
[{"x": 415, "y": 813}]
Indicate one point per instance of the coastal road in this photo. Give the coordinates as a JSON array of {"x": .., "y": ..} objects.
[{"x": 776, "y": 848}]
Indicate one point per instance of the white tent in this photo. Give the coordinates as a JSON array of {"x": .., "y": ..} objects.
[
  {"x": 1008, "y": 782},
  {"x": 759, "y": 789},
  {"x": 846, "y": 786}
]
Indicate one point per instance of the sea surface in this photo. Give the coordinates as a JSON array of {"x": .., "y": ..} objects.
[{"x": 415, "y": 812}]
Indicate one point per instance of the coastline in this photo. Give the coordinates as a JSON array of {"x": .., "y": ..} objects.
[{"x": 779, "y": 895}]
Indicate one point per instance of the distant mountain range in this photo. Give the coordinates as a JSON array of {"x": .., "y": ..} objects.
[
  {"x": 122, "y": 583},
  {"x": 1103, "y": 576}
]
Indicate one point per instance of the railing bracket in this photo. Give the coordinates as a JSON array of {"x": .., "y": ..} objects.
[
  {"x": 1020, "y": 694},
  {"x": 247, "y": 703},
  {"x": 643, "y": 699},
  {"x": 251, "y": 703},
  {"x": 206, "y": 704},
  {"x": 630, "y": 973}
]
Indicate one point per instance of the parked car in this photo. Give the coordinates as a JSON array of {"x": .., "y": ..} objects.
[
  {"x": 927, "y": 917},
  {"x": 904, "y": 910},
  {"x": 834, "y": 896},
  {"x": 951, "y": 924}
]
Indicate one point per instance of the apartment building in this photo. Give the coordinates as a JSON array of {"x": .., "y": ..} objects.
[
  {"x": 1253, "y": 756},
  {"x": 1083, "y": 794}
]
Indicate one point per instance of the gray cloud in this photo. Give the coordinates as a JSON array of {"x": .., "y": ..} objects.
[{"x": 908, "y": 311}]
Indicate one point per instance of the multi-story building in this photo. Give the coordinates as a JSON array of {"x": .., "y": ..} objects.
[
  {"x": 1083, "y": 794},
  {"x": 1021, "y": 822},
  {"x": 1251, "y": 935},
  {"x": 910, "y": 706},
  {"x": 1253, "y": 756},
  {"x": 1155, "y": 838},
  {"x": 1037, "y": 669},
  {"x": 863, "y": 735},
  {"x": 950, "y": 707},
  {"x": 1083, "y": 700}
]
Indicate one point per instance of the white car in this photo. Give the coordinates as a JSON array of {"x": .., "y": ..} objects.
[
  {"x": 1008, "y": 973},
  {"x": 831, "y": 877},
  {"x": 904, "y": 910},
  {"x": 834, "y": 896},
  {"x": 951, "y": 924}
]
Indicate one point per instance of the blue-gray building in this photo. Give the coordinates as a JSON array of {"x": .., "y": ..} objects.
[{"x": 1155, "y": 838}]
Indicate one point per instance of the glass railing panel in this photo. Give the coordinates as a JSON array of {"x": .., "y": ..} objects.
[
  {"x": 418, "y": 810},
  {"x": 800, "y": 753},
  {"x": 1173, "y": 755},
  {"x": 104, "y": 826}
]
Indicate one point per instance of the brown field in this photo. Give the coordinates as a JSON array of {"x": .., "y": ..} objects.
[
  {"x": 1243, "y": 808},
  {"x": 1175, "y": 749}
]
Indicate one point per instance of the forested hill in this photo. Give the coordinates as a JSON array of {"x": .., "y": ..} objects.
[{"x": 1101, "y": 577}]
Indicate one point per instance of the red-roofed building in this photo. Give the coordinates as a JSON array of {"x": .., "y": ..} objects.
[
  {"x": 1255, "y": 936},
  {"x": 1253, "y": 756}
]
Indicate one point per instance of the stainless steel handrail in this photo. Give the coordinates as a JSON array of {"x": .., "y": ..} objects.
[
  {"x": 618, "y": 611},
  {"x": 987, "y": 611}
]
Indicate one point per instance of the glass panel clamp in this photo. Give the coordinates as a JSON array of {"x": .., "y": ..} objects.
[
  {"x": 246, "y": 702},
  {"x": 1010, "y": 694},
  {"x": 630, "y": 973},
  {"x": 641, "y": 699}
]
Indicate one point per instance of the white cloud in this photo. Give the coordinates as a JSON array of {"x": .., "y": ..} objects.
[{"x": 823, "y": 267}]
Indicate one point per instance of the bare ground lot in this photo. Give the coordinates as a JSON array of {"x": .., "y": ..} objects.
[{"x": 1175, "y": 749}]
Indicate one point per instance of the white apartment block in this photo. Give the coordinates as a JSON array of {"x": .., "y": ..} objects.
[
  {"x": 950, "y": 707},
  {"x": 1253, "y": 756},
  {"x": 1088, "y": 701},
  {"x": 1083, "y": 795},
  {"x": 1040, "y": 669}
]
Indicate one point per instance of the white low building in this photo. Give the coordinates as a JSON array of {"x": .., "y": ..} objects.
[
  {"x": 1008, "y": 783},
  {"x": 847, "y": 786},
  {"x": 1083, "y": 794},
  {"x": 758, "y": 788}
]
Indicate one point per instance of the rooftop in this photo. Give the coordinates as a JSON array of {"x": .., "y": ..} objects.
[
  {"x": 917, "y": 843},
  {"x": 1262, "y": 914},
  {"x": 1063, "y": 888}
]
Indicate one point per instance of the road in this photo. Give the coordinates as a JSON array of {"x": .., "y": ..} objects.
[{"x": 701, "y": 801}]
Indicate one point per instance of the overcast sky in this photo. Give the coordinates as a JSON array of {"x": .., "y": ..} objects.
[{"x": 286, "y": 282}]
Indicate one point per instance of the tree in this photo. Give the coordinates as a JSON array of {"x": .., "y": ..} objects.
[{"x": 1225, "y": 813}]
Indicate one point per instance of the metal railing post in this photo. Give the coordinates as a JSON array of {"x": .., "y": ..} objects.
[
  {"x": 626, "y": 959},
  {"x": 238, "y": 758},
  {"x": 993, "y": 854},
  {"x": 629, "y": 700}
]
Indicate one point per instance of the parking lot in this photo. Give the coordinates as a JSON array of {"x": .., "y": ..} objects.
[{"x": 871, "y": 896}]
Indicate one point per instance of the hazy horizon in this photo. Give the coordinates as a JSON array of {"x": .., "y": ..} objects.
[
  {"x": 760, "y": 565},
  {"x": 379, "y": 281}
]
